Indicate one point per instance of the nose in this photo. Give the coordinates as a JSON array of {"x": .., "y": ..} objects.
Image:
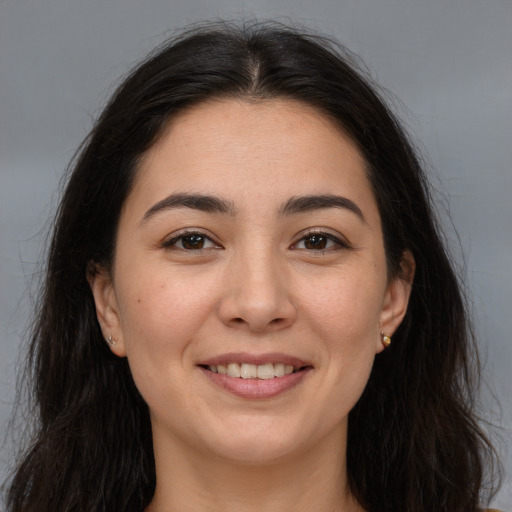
[{"x": 257, "y": 294}]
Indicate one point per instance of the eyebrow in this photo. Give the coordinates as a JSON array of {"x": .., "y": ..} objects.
[
  {"x": 212, "y": 204},
  {"x": 303, "y": 204},
  {"x": 208, "y": 204}
]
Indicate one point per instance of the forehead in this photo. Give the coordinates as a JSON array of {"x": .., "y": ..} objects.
[{"x": 256, "y": 150}]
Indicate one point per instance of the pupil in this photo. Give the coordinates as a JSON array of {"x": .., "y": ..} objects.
[
  {"x": 316, "y": 242},
  {"x": 193, "y": 241}
]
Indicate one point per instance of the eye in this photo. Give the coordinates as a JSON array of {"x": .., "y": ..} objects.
[
  {"x": 191, "y": 241},
  {"x": 320, "y": 242}
]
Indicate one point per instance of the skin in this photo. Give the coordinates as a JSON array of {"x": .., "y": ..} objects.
[{"x": 259, "y": 284}]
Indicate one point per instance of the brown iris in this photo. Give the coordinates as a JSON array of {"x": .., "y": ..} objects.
[
  {"x": 193, "y": 242},
  {"x": 315, "y": 242}
]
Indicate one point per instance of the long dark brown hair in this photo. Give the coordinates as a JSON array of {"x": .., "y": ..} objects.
[{"x": 414, "y": 444}]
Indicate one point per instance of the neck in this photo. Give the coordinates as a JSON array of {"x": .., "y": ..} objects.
[{"x": 189, "y": 480}]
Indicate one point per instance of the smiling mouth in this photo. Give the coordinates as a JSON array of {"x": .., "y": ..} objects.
[{"x": 252, "y": 371}]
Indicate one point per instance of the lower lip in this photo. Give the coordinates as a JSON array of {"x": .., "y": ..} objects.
[{"x": 256, "y": 388}]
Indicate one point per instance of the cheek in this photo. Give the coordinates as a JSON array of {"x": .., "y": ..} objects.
[
  {"x": 346, "y": 306},
  {"x": 344, "y": 315},
  {"x": 341, "y": 313},
  {"x": 161, "y": 313},
  {"x": 161, "y": 318}
]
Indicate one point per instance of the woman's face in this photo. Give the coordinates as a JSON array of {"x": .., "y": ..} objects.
[{"x": 250, "y": 242}]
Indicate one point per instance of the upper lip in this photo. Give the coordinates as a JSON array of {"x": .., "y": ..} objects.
[{"x": 256, "y": 359}]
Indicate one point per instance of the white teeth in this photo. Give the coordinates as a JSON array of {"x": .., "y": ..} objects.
[
  {"x": 266, "y": 371},
  {"x": 249, "y": 371},
  {"x": 234, "y": 370},
  {"x": 253, "y": 371},
  {"x": 279, "y": 369}
]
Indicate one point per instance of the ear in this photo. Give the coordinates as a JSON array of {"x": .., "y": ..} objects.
[
  {"x": 396, "y": 298},
  {"x": 107, "y": 310}
]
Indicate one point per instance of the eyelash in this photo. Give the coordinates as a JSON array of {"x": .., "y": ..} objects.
[
  {"x": 327, "y": 237},
  {"x": 171, "y": 243},
  {"x": 338, "y": 243}
]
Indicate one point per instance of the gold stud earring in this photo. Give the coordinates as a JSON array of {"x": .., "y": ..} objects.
[{"x": 386, "y": 340}]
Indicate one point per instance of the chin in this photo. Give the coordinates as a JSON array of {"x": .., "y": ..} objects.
[
  {"x": 263, "y": 452},
  {"x": 262, "y": 443}
]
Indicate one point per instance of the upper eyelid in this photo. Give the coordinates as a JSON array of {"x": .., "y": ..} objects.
[
  {"x": 338, "y": 242},
  {"x": 338, "y": 237},
  {"x": 173, "y": 237}
]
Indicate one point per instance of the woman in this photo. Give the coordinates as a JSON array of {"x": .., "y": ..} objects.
[{"x": 247, "y": 303}]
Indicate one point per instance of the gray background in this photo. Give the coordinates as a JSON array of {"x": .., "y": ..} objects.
[{"x": 448, "y": 61}]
